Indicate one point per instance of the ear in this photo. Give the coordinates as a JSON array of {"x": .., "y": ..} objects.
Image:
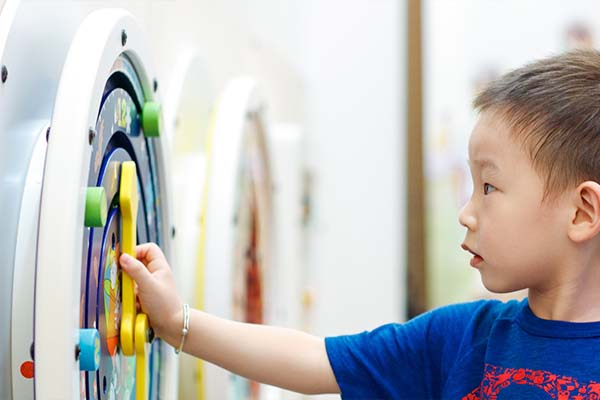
[{"x": 586, "y": 222}]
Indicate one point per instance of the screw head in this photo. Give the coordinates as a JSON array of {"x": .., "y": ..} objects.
[
  {"x": 150, "y": 335},
  {"x": 4, "y": 74},
  {"x": 172, "y": 232},
  {"x": 155, "y": 85},
  {"x": 123, "y": 37},
  {"x": 91, "y": 136}
]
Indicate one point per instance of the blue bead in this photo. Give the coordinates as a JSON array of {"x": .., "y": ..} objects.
[{"x": 89, "y": 346}]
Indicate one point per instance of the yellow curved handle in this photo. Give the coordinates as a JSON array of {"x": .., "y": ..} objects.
[
  {"x": 135, "y": 328},
  {"x": 128, "y": 202},
  {"x": 141, "y": 338}
]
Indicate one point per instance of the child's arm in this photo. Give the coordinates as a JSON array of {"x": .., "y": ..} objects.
[{"x": 277, "y": 356}]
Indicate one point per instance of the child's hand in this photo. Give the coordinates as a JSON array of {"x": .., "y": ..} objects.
[{"x": 157, "y": 291}]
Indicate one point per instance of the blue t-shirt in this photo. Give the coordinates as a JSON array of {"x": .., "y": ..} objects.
[{"x": 480, "y": 350}]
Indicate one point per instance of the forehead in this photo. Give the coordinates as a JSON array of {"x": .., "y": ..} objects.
[{"x": 491, "y": 140}]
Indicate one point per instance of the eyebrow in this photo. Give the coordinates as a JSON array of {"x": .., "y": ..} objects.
[{"x": 484, "y": 163}]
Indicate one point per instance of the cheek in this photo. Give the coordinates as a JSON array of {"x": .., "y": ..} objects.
[
  {"x": 518, "y": 238},
  {"x": 507, "y": 230}
]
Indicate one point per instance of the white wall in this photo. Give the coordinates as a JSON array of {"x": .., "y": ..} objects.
[
  {"x": 355, "y": 146},
  {"x": 337, "y": 68}
]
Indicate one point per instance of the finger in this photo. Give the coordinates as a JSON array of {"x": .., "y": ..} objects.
[
  {"x": 150, "y": 253},
  {"x": 136, "y": 269}
]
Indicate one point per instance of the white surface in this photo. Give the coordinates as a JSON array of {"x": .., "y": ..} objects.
[
  {"x": 356, "y": 151},
  {"x": 287, "y": 169},
  {"x": 188, "y": 183},
  {"x": 239, "y": 98},
  {"x": 26, "y": 100},
  {"x": 188, "y": 101},
  {"x": 291, "y": 279},
  {"x": 91, "y": 56},
  {"x": 187, "y": 106},
  {"x": 337, "y": 68},
  {"x": 24, "y": 270},
  {"x": 227, "y": 140}
]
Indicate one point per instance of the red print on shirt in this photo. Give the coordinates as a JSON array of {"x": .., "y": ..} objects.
[{"x": 495, "y": 379}]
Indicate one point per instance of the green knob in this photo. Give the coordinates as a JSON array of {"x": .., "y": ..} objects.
[
  {"x": 151, "y": 119},
  {"x": 95, "y": 207}
]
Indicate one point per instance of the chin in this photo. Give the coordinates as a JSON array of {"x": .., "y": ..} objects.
[{"x": 500, "y": 287}]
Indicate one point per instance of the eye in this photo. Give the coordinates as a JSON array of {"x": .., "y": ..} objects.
[{"x": 487, "y": 188}]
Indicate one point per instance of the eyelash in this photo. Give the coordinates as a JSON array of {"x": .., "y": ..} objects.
[{"x": 486, "y": 186}]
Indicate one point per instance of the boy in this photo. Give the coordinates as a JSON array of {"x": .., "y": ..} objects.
[{"x": 532, "y": 222}]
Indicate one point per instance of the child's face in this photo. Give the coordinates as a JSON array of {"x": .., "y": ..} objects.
[{"x": 517, "y": 238}]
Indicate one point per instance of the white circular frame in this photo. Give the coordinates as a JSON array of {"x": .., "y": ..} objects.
[
  {"x": 95, "y": 48},
  {"x": 239, "y": 104}
]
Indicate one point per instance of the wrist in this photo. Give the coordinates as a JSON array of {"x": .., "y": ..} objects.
[
  {"x": 184, "y": 329},
  {"x": 170, "y": 330}
]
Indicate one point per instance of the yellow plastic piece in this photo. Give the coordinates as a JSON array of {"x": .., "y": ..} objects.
[
  {"x": 202, "y": 245},
  {"x": 128, "y": 201},
  {"x": 141, "y": 338}
]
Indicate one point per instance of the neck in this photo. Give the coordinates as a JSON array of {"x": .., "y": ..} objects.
[{"x": 575, "y": 299}]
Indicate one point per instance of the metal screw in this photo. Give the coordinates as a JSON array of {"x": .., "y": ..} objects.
[
  {"x": 4, "y": 74},
  {"x": 47, "y": 134},
  {"x": 155, "y": 85},
  {"x": 77, "y": 352},
  {"x": 123, "y": 37},
  {"x": 150, "y": 335},
  {"x": 91, "y": 136}
]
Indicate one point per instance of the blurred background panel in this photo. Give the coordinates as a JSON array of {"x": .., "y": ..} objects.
[{"x": 467, "y": 43}]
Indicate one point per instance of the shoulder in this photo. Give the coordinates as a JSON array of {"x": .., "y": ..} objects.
[
  {"x": 449, "y": 326},
  {"x": 477, "y": 313},
  {"x": 470, "y": 321},
  {"x": 425, "y": 347}
]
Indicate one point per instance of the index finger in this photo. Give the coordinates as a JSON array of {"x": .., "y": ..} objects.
[{"x": 151, "y": 255}]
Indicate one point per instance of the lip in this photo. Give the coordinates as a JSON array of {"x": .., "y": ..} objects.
[{"x": 476, "y": 259}]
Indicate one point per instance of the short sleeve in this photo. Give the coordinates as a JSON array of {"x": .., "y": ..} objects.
[{"x": 401, "y": 361}]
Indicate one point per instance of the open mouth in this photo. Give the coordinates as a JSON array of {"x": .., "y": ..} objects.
[{"x": 476, "y": 259}]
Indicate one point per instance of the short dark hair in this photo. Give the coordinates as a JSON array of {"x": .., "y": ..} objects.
[{"x": 553, "y": 108}]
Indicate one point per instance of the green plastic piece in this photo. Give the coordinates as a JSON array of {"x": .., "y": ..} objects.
[
  {"x": 95, "y": 207},
  {"x": 151, "y": 119}
]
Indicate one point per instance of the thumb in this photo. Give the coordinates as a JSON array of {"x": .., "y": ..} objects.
[{"x": 136, "y": 269}]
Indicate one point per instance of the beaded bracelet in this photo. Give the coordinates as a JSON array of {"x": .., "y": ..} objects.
[{"x": 186, "y": 327}]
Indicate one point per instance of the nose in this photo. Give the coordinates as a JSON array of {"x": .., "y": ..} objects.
[{"x": 466, "y": 217}]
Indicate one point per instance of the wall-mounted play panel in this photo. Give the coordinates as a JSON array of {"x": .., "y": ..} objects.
[{"x": 104, "y": 142}]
